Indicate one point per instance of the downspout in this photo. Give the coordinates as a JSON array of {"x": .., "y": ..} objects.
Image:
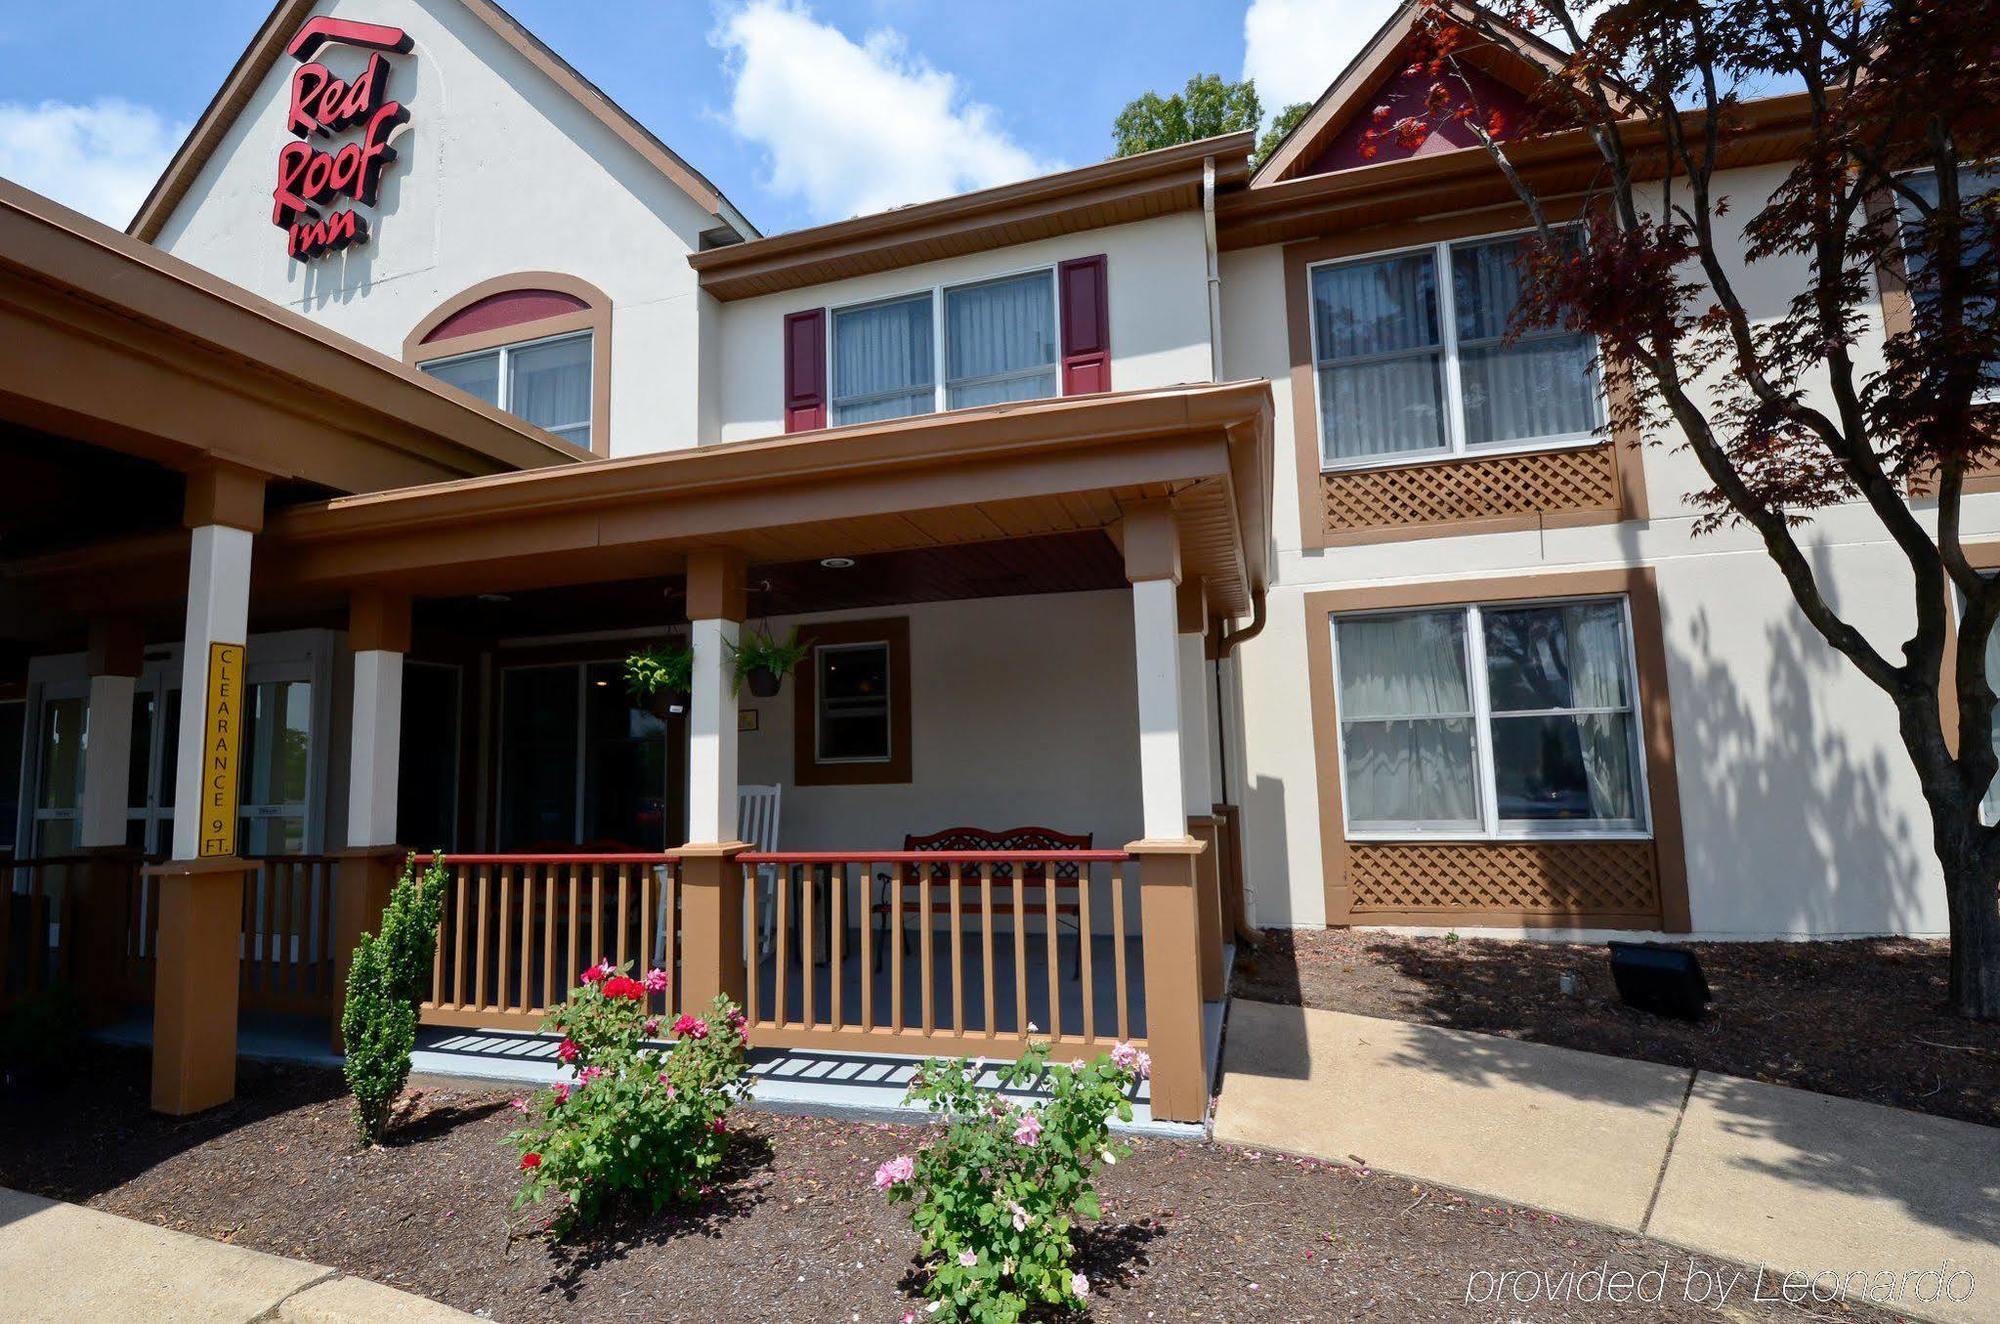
[{"x": 1214, "y": 269}]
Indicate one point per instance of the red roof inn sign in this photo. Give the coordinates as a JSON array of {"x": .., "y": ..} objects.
[{"x": 312, "y": 179}]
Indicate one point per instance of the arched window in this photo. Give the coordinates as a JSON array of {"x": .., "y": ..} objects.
[{"x": 536, "y": 344}]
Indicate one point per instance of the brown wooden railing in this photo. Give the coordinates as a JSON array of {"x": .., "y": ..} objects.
[
  {"x": 976, "y": 951},
  {"x": 35, "y": 923},
  {"x": 287, "y": 948},
  {"x": 518, "y": 929}
]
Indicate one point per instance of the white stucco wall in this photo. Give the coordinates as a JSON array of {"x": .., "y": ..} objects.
[
  {"x": 1155, "y": 271},
  {"x": 1023, "y": 711},
  {"x": 499, "y": 171},
  {"x": 1799, "y": 808}
]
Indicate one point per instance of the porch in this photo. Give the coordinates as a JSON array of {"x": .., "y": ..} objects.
[{"x": 1014, "y": 616}]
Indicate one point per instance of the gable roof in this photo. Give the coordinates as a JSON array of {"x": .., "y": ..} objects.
[
  {"x": 1513, "y": 50},
  {"x": 270, "y": 42}
]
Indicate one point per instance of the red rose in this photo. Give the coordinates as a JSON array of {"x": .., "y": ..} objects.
[
  {"x": 530, "y": 1161},
  {"x": 623, "y": 986}
]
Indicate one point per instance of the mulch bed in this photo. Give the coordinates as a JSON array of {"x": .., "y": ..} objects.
[
  {"x": 1864, "y": 1019},
  {"x": 1192, "y": 1231}
]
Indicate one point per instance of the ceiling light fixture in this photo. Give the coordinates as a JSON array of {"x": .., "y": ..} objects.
[
  {"x": 837, "y": 562},
  {"x": 495, "y": 598}
]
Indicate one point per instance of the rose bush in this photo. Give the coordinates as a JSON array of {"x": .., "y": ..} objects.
[
  {"x": 642, "y": 1125},
  {"x": 995, "y": 1200}
]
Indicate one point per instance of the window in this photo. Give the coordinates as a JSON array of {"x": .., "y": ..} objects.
[
  {"x": 851, "y": 697},
  {"x": 1514, "y": 720},
  {"x": 997, "y": 339},
  {"x": 582, "y": 764},
  {"x": 1413, "y": 361},
  {"x": 1973, "y": 184},
  {"x": 546, "y": 382},
  {"x": 277, "y": 762},
  {"x": 59, "y": 790},
  {"x": 853, "y": 722}
]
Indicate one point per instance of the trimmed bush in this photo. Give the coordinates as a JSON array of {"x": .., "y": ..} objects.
[{"x": 384, "y": 987}]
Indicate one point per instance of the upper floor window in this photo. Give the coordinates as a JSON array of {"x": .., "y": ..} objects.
[
  {"x": 997, "y": 340},
  {"x": 1489, "y": 721},
  {"x": 1974, "y": 185},
  {"x": 546, "y": 382},
  {"x": 1413, "y": 359}
]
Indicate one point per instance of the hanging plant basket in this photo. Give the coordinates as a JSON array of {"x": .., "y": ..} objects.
[
  {"x": 666, "y": 703},
  {"x": 660, "y": 677},
  {"x": 763, "y": 663}
]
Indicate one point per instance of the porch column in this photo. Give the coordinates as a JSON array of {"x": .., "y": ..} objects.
[
  {"x": 1169, "y": 917},
  {"x": 103, "y": 886},
  {"x": 378, "y": 632},
  {"x": 712, "y": 961},
  {"x": 1197, "y": 780},
  {"x": 201, "y": 888}
]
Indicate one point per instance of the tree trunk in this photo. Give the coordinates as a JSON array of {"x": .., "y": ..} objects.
[{"x": 1974, "y": 901}]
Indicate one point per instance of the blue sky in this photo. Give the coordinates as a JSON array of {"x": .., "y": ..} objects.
[{"x": 801, "y": 112}]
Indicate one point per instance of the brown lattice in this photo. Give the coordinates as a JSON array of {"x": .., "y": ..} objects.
[
  {"x": 1576, "y": 878},
  {"x": 1457, "y": 490}
]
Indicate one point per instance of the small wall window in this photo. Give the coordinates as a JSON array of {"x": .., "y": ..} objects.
[
  {"x": 1413, "y": 361},
  {"x": 546, "y": 382},
  {"x": 853, "y": 704},
  {"x": 998, "y": 340},
  {"x": 1483, "y": 721}
]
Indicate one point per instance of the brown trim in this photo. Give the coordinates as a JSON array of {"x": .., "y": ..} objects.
[
  {"x": 596, "y": 319},
  {"x": 224, "y": 494},
  {"x": 113, "y": 342},
  {"x": 807, "y": 770},
  {"x": 269, "y": 43},
  {"x": 715, "y": 587},
  {"x": 1113, "y": 192},
  {"x": 117, "y": 647},
  {"x": 378, "y": 619},
  {"x": 1639, "y": 586},
  {"x": 1315, "y": 530}
]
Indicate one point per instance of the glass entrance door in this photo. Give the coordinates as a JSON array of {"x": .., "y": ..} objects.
[{"x": 583, "y": 766}]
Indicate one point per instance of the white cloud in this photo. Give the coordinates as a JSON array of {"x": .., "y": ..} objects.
[
  {"x": 1294, "y": 48},
  {"x": 100, "y": 158},
  {"x": 855, "y": 128}
]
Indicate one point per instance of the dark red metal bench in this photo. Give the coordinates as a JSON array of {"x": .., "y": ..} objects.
[{"x": 1069, "y": 876}]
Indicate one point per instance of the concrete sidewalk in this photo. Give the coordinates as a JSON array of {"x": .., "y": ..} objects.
[
  {"x": 1759, "y": 1174},
  {"x": 61, "y": 1262}
]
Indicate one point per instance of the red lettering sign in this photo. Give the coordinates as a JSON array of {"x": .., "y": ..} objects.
[{"x": 322, "y": 105}]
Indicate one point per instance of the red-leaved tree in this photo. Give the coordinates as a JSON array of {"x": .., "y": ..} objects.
[{"x": 1885, "y": 111}]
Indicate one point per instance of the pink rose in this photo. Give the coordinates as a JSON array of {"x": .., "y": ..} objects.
[
  {"x": 566, "y": 1051},
  {"x": 597, "y": 973},
  {"x": 652, "y": 1028},
  {"x": 895, "y": 1172},
  {"x": 562, "y": 1093},
  {"x": 691, "y": 1027},
  {"x": 1028, "y": 1130},
  {"x": 656, "y": 981}
]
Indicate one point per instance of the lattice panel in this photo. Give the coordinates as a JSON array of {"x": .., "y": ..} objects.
[
  {"x": 1563, "y": 877},
  {"x": 1547, "y": 482}
]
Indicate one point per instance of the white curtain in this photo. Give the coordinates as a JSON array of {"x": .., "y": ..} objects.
[
  {"x": 1405, "y": 705},
  {"x": 1000, "y": 341},
  {"x": 1541, "y": 385},
  {"x": 549, "y": 384},
  {"x": 1555, "y": 761},
  {"x": 1598, "y": 669},
  {"x": 1380, "y": 360},
  {"x": 882, "y": 361}
]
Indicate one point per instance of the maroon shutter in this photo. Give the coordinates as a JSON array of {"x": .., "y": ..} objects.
[
  {"x": 805, "y": 370},
  {"x": 1086, "y": 325}
]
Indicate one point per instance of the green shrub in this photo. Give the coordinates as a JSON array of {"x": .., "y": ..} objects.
[
  {"x": 995, "y": 1201},
  {"x": 385, "y": 984},
  {"x": 641, "y": 1125}
]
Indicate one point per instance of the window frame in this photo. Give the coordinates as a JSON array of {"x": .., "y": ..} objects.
[
  {"x": 941, "y": 382},
  {"x": 808, "y": 769},
  {"x": 1447, "y": 349},
  {"x": 504, "y": 389},
  {"x": 1492, "y": 828}
]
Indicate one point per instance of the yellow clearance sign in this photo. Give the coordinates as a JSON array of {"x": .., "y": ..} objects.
[{"x": 222, "y": 741}]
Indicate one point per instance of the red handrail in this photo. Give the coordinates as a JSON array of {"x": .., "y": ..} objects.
[
  {"x": 560, "y": 857},
  {"x": 933, "y": 856}
]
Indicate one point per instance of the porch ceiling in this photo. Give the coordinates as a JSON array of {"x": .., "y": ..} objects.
[{"x": 1060, "y": 466}]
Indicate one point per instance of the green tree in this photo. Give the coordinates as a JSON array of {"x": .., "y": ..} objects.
[
  {"x": 1207, "y": 106},
  {"x": 1283, "y": 123}
]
